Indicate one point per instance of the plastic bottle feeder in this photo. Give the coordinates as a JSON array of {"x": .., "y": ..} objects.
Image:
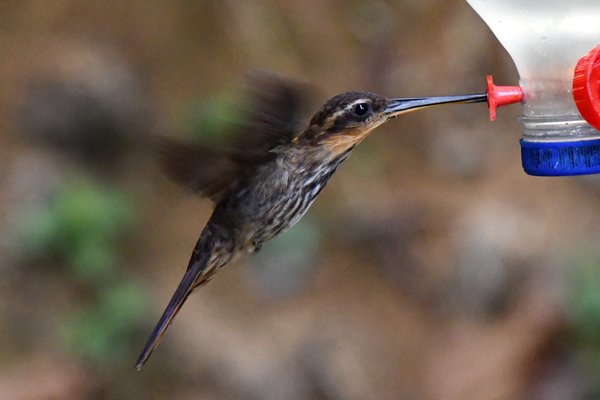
[{"x": 554, "y": 45}]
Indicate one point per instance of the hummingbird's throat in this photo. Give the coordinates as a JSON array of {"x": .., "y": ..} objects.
[{"x": 339, "y": 144}]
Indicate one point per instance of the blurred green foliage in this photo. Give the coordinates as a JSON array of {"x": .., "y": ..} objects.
[
  {"x": 82, "y": 228},
  {"x": 584, "y": 321},
  {"x": 211, "y": 120},
  {"x": 104, "y": 331},
  {"x": 585, "y": 302}
]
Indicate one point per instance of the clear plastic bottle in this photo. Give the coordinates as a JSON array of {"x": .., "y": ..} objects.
[{"x": 545, "y": 39}]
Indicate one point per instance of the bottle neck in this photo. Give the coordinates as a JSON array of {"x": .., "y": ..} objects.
[{"x": 550, "y": 113}]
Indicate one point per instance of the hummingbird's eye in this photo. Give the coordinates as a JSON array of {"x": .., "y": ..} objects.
[{"x": 361, "y": 109}]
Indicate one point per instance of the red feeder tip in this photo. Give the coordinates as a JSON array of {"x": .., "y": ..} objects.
[{"x": 499, "y": 96}]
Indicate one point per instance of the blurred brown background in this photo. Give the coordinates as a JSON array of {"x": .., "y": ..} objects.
[{"x": 431, "y": 267}]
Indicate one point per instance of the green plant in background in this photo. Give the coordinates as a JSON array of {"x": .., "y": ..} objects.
[
  {"x": 81, "y": 225},
  {"x": 213, "y": 120},
  {"x": 104, "y": 330},
  {"x": 585, "y": 302},
  {"x": 584, "y": 319},
  {"x": 82, "y": 228}
]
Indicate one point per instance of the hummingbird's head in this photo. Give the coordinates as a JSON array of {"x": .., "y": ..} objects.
[{"x": 348, "y": 118}]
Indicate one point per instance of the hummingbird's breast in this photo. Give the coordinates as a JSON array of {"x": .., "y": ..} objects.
[{"x": 275, "y": 198}]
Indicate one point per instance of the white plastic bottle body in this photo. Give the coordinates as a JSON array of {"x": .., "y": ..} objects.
[{"x": 545, "y": 39}]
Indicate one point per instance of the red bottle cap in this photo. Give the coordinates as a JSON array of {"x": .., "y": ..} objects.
[
  {"x": 586, "y": 87},
  {"x": 499, "y": 96}
]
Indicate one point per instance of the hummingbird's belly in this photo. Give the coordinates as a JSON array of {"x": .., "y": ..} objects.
[
  {"x": 276, "y": 200},
  {"x": 285, "y": 206}
]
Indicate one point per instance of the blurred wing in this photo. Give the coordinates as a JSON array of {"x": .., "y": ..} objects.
[
  {"x": 271, "y": 121},
  {"x": 197, "y": 167}
]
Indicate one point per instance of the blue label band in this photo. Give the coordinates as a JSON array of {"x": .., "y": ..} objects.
[{"x": 579, "y": 157}]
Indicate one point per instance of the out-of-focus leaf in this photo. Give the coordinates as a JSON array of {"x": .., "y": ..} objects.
[
  {"x": 211, "y": 120},
  {"x": 585, "y": 302},
  {"x": 82, "y": 226},
  {"x": 104, "y": 332},
  {"x": 94, "y": 261},
  {"x": 38, "y": 231}
]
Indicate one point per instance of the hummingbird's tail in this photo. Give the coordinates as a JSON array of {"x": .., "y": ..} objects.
[{"x": 198, "y": 272}]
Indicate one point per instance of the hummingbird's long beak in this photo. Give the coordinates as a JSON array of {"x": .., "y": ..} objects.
[{"x": 400, "y": 106}]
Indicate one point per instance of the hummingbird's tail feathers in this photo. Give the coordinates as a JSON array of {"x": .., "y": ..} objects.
[{"x": 197, "y": 267}]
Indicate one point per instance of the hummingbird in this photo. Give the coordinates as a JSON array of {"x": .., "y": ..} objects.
[{"x": 266, "y": 180}]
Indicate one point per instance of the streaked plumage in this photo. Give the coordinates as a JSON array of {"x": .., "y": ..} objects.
[{"x": 267, "y": 179}]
